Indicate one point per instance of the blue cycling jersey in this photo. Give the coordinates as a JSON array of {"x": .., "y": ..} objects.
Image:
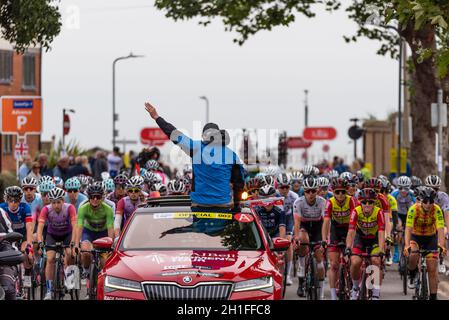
[
  {"x": 35, "y": 205},
  {"x": 19, "y": 218},
  {"x": 271, "y": 220},
  {"x": 79, "y": 201},
  {"x": 289, "y": 200},
  {"x": 404, "y": 202}
]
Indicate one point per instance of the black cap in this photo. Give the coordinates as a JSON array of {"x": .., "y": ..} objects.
[{"x": 210, "y": 125}]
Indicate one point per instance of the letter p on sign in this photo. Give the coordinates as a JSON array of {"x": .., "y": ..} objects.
[
  {"x": 21, "y": 121},
  {"x": 21, "y": 115}
]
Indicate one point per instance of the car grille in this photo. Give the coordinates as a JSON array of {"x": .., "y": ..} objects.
[{"x": 166, "y": 291}]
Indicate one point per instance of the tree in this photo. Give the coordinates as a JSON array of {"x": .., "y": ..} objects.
[
  {"x": 423, "y": 24},
  {"x": 29, "y": 22}
]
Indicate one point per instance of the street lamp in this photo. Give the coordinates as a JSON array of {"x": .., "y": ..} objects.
[
  {"x": 207, "y": 107},
  {"x": 64, "y": 112},
  {"x": 114, "y": 115}
]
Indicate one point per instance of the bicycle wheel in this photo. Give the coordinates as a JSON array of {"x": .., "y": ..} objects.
[
  {"x": 42, "y": 278},
  {"x": 342, "y": 284},
  {"x": 312, "y": 283},
  {"x": 403, "y": 267},
  {"x": 93, "y": 282},
  {"x": 363, "y": 289},
  {"x": 424, "y": 285}
]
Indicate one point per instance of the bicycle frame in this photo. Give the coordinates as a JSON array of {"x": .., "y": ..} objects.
[
  {"x": 366, "y": 293},
  {"x": 59, "y": 290},
  {"x": 422, "y": 286},
  {"x": 312, "y": 284}
]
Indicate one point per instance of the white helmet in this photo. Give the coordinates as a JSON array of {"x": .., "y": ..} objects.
[
  {"x": 310, "y": 183},
  {"x": 284, "y": 179},
  {"x": 105, "y": 175},
  {"x": 297, "y": 176},
  {"x": 323, "y": 182},
  {"x": 56, "y": 194},
  {"x": 176, "y": 186},
  {"x": 333, "y": 174},
  {"x": 433, "y": 181},
  {"x": 404, "y": 182},
  {"x": 266, "y": 180},
  {"x": 310, "y": 171}
]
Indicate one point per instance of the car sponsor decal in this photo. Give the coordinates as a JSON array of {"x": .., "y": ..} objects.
[
  {"x": 192, "y": 273},
  {"x": 199, "y": 215},
  {"x": 244, "y": 217}
]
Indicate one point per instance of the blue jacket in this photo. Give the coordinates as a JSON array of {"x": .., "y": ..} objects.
[{"x": 214, "y": 166}]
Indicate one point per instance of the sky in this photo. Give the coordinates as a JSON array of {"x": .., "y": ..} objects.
[{"x": 258, "y": 85}]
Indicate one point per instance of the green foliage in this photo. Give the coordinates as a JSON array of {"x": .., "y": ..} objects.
[
  {"x": 72, "y": 149},
  {"x": 29, "y": 22}
]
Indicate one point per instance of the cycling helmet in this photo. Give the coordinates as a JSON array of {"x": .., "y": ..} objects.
[
  {"x": 152, "y": 165},
  {"x": 271, "y": 170},
  {"x": 72, "y": 184},
  {"x": 382, "y": 177},
  {"x": 296, "y": 176},
  {"x": 56, "y": 194},
  {"x": 46, "y": 186},
  {"x": 427, "y": 193},
  {"x": 404, "y": 182},
  {"x": 108, "y": 185},
  {"x": 386, "y": 185},
  {"x": 323, "y": 182},
  {"x": 176, "y": 187},
  {"x": 433, "y": 181},
  {"x": 95, "y": 189},
  {"x": 29, "y": 182},
  {"x": 267, "y": 191},
  {"x": 58, "y": 182},
  {"x": 187, "y": 169},
  {"x": 266, "y": 180},
  {"x": 150, "y": 177},
  {"x": 372, "y": 183},
  {"x": 162, "y": 189},
  {"x": 310, "y": 183},
  {"x": 44, "y": 178},
  {"x": 252, "y": 184},
  {"x": 360, "y": 176},
  {"x": 367, "y": 194},
  {"x": 85, "y": 181},
  {"x": 346, "y": 175},
  {"x": 105, "y": 175},
  {"x": 339, "y": 183},
  {"x": 121, "y": 180},
  {"x": 333, "y": 174},
  {"x": 13, "y": 193},
  {"x": 416, "y": 182},
  {"x": 135, "y": 182},
  {"x": 283, "y": 179},
  {"x": 310, "y": 171}
]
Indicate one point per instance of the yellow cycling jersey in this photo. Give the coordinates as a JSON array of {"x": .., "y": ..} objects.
[
  {"x": 367, "y": 226},
  {"x": 424, "y": 223},
  {"x": 392, "y": 202},
  {"x": 340, "y": 214}
]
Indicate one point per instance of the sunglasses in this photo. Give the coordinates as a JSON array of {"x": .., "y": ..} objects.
[
  {"x": 44, "y": 194},
  {"x": 120, "y": 186},
  {"x": 28, "y": 189},
  {"x": 14, "y": 201},
  {"x": 73, "y": 191},
  {"x": 96, "y": 197},
  {"x": 284, "y": 187},
  {"x": 428, "y": 201},
  {"x": 367, "y": 202},
  {"x": 338, "y": 192},
  {"x": 133, "y": 190},
  {"x": 404, "y": 189},
  {"x": 313, "y": 191}
]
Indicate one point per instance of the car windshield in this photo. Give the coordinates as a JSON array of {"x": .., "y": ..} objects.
[{"x": 191, "y": 231}]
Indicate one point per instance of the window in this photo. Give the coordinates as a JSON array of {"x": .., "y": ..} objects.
[
  {"x": 7, "y": 144},
  {"x": 5, "y": 67},
  {"x": 29, "y": 72}
]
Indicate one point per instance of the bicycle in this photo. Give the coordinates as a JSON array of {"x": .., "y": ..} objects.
[
  {"x": 422, "y": 281},
  {"x": 402, "y": 261},
  {"x": 59, "y": 290},
  {"x": 24, "y": 286},
  {"x": 344, "y": 282},
  {"x": 39, "y": 278},
  {"x": 312, "y": 283},
  {"x": 365, "y": 293},
  {"x": 94, "y": 269}
]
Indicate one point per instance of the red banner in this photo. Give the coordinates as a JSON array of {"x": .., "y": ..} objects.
[
  {"x": 153, "y": 136},
  {"x": 325, "y": 133},
  {"x": 298, "y": 143}
]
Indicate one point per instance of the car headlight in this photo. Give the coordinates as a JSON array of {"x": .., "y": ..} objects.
[
  {"x": 122, "y": 284},
  {"x": 254, "y": 284}
]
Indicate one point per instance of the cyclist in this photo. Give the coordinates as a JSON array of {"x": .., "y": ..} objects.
[
  {"x": 266, "y": 180},
  {"x": 442, "y": 200},
  {"x": 120, "y": 182},
  {"x": 271, "y": 216},
  {"x": 425, "y": 230},
  {"x": 149, "y": 178},
  {"x": 127, "y": 205},
  {"x": 308, "y": 213},
  {"x": 59, "y": 183},
  {"x": 392, "y": 217},
  {"x": 297, "y": 182},
  {"x": 323, "y": 190},
  {"x": 61, "y": 218},
  {"x": 176, "y": 188},
  {"x": 153, "y": 166},
  {"x": 31, "y": 196},
  {"x": 158, "y": 190},
  {"x": 335, "y": 227},
  {"x": 74, "y": 196},
  {"x": 95, "y": 220},
  {"x": 405, "y": 199},
  {"x": 366, "y": 231},
  {"x": 284, "y": 180},
  {"x": 108, "y": 185},
  {"x": 85, "y": 182},
  {"x": 416, "y": 183},
  {"x": 333, "y": 174}
]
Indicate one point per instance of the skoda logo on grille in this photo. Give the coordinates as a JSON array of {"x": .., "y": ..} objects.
[{"x": 187, "y": 279}]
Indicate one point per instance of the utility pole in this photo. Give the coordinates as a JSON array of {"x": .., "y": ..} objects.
[
  {"x": 355, "y": 120},
  {"x": 441, "y": 105},
  {"x": 306, "y": 119},
  {"x": 398, "y": 159}
]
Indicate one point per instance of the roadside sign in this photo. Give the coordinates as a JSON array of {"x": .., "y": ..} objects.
[
  {"x": 434, "y": 115},
  {"x": 66, "y": 124},
  {"x": 394, "y": 160},
  {"x": 320, "y": 133},
  {"x": 21, "y": 115},
  {"x": 298, "y": 143},
  {"x": 153, "y": 136}
]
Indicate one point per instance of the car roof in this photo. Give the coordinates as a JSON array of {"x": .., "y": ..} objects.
[{"x": 169, "y": 201}]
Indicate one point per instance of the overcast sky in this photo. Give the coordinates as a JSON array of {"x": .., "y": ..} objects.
[{"x": 258, "y": 85}]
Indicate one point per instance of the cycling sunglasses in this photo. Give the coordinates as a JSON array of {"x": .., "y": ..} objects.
[
  {"x": 28, "y": 189},
  {"x": 284, "y": 187},
  {"x": 14, "y": 200},
  {"x": 337, "y": 192},
  {"x": 96, "y": 197},
  {"x": 44, "y": 194},
  {"x": 313, "y": 191},
  {"x": 73, "y": 191},
  {"x": 428, "y": 201},
  {"x": 133, "y": 190},
  {"x": 367, "y": 202},
  {"x": 404, "y": 189}
]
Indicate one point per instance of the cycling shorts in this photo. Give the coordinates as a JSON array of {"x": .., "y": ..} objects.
[
  {"x": 338, "y": 235},
  {"x": 361, "y": 245},
  {"x": 313, "y": 229},
  {"x": 289, "y": 223},
  {"x": 91, "y": 236},
  {"x": 52, "y": 239},
  {"x": 426, "y": 243}
]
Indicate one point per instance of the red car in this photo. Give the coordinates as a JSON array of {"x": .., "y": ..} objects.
[{"x": 170, "y": 252}]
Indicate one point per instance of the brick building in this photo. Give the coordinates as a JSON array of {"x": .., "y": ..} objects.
[{"x": 20, "y": 75}]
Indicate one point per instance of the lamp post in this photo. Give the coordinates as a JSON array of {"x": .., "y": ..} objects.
[
  {"x": 207, "y": 107},
  {"x": 64, "y": 130},
  {"x": 114, "y": 115}
]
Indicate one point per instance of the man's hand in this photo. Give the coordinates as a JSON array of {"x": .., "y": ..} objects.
[{"x": 151, "y": 110}]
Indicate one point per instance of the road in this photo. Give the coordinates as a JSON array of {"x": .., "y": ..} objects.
[{"x": 391, "y": 288}]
